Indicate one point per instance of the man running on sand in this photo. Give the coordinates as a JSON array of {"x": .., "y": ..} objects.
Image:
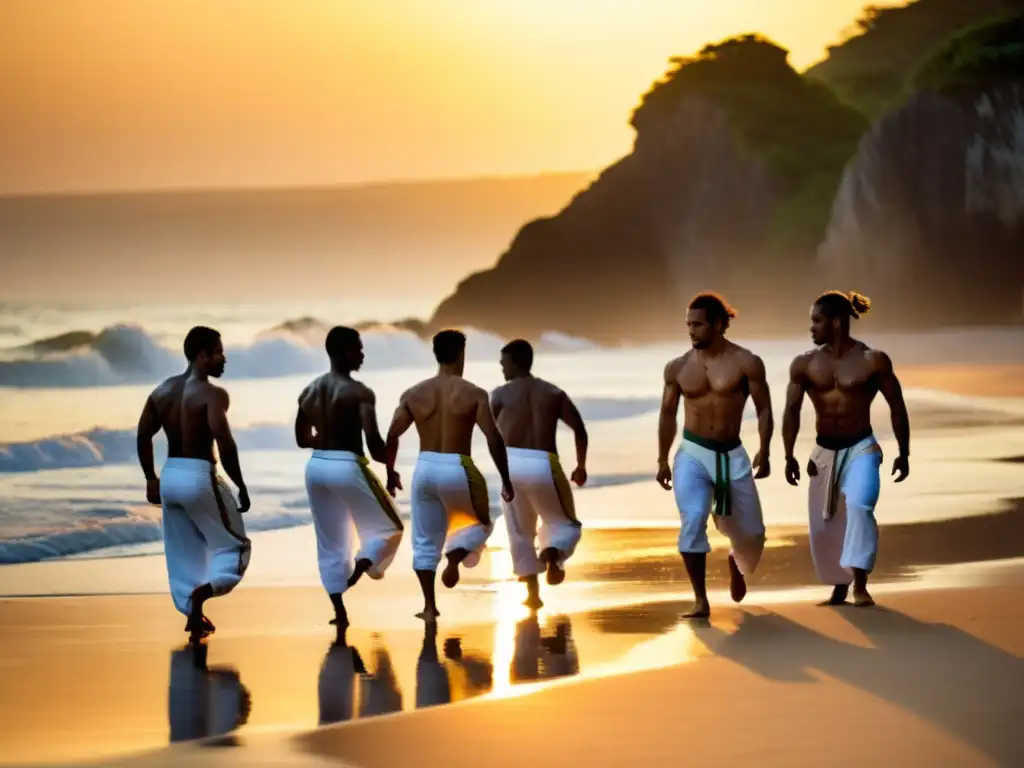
[
  {"x": 345, "y": 497},
  {"x": 450, "y": 509},
  {"x": 528, "y": 410},
  {"x": 842, "y": 377},
  {"x": 713, "y": 474},
  {"x": 205, "y": 545}
]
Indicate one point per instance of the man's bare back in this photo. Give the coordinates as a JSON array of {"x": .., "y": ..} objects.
[
  {"x": 333, "y": 406},
  {"x": 528, "y": 410},
  {"x": 164, "y": 409},
  {"x": 715, "y": 389},
  {"x": 842, "y": 389},
  {"x": 445, "y": 408}
]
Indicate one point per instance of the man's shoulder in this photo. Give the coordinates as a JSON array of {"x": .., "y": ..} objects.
[
  {"x": 310, "y": 388},
  {"x": 676, "y": 363},
  {"x": 470, "y": 389},
  {"x": 744, "y": 355},
  {"x": 798, "y": 366},
  {"x": 876, "y": 358}
]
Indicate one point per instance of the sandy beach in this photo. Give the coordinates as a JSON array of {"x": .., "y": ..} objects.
[
  {"x": 96, "y": 669},
  {"x": 933, "y": 676}
]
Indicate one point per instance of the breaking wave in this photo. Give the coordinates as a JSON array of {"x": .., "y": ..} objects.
[{"x": 127, "y": 354}]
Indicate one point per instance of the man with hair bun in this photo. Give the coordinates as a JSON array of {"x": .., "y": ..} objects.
[
  {"x": 713, "y": 474},
  {"x": 842, "y": 376}
]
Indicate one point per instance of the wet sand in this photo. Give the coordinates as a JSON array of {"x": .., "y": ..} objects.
[
  {"x": 100, "y": 676},
  {"x": 933, "y": 677}
]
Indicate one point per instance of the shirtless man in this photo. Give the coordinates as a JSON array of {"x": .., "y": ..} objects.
[
  {"x": 205, "y": 545},
  {"x": 528, "y": 410},
  {"x": 713, "y": 474},
  {"x": 334, "y": 412},
  {"x": 449, "y": 495},
  {"x": 842, "y": 377}
]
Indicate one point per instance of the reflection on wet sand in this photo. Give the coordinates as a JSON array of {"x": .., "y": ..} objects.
[
  {"x": 653, "y": 559},
  {"x": 346, "y": 690},
  {"x": 464, "y": 675},
  {"x": 539, "y": 657},
  {"x": 204, "y": 702}
]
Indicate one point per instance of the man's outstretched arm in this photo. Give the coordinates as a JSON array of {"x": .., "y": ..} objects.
[
  {"x": 495, "y": 444},
  {"x": 571, "y": 416},
  {"x": 892, "y": 391},
  {"x": 303, "y": 430},
  {"x": 217, "y": 420},
  {"x": 758, "y": 382},
  {"x": 791, "y": 416},
  {"x": 368, "y": 417},
  {"x": 668, "y": 423},
  {"x": 149, "y": 425},
  {"x": 400, "y": 423}
]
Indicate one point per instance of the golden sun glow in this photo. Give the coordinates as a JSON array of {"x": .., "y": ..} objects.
[{"x": 329, "y": 91}]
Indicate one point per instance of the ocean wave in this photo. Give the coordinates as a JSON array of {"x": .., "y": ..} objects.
[
  {"x": 35, "y": 529},
  {"x": 98, "y": 447},
  {"x": 127, "y": 354},
  {"x": 104, "y": 528}
]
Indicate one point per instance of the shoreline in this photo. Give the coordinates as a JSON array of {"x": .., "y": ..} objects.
[{"x": 632, "y": 645}]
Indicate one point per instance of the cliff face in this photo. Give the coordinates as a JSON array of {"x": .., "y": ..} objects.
[
  {"x": 870, "y": 69},
  {"x": 929, "y": 217},
  {"x": 617, "y": 263},
  {"x": 704, "y": 201}
]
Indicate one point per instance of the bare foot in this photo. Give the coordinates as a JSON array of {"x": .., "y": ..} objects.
[
  {"x": 362, "y": 566},
  {"x": 450, "y": 574},
  {"x": 429, "y": 615},
  {"x": 207, "y": 625},
  {"x": 198, "y": 627},
  {"x": 701, "y": 610},
  {"x": 533, "y": 602},
  {"x": 737, "y": 584},
  {"x": 555, "y": 575},
  {"x": 862, "y": 599},
  {"x": 838, "y": 595}
]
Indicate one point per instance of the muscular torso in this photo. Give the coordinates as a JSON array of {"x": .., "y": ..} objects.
[
  {"x": 331, "y": 403},
  {"x": 842, "y": 389},
  {"x": 528, "y": 412},
  {"x": 166, "y": 400},
  {"x": 181, "y": 404},
  {"x": 444, "y": 411},
  {"x": 714, "y": 392},
  {"x": 196, "y": 437}
]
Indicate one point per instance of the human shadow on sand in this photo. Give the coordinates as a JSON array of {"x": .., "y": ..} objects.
[{"x": 939, "y": 672}]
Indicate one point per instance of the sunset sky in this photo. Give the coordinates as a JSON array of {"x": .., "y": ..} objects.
[{"x": 141, "y": 94}]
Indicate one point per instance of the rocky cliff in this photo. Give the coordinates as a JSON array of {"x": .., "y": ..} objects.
[
  {"x": 929, "y": 217},
  {"x": 728, "y": 187}
]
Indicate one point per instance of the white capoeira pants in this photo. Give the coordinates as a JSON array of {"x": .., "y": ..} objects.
[
  {"x": 717, "y": 480},
  {"x": 450, "y": 510},
  {"x": 542, "y": 495},
  {"x": 842, "y": 497},
  {"x": 348, "y": 502},
  {"x": 204, "y": 537}
]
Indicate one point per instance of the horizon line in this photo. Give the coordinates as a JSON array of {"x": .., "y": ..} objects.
[{"x": 353, "y": 186}]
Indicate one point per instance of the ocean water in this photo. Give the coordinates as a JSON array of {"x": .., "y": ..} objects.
[{"x": 70, "y": 485}]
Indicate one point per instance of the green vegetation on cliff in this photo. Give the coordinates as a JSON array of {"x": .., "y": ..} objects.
[
  {"x": 871, "y": 69},
  {"x": 987, "y": 53},
  {"x": 797, "y": 127}
]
